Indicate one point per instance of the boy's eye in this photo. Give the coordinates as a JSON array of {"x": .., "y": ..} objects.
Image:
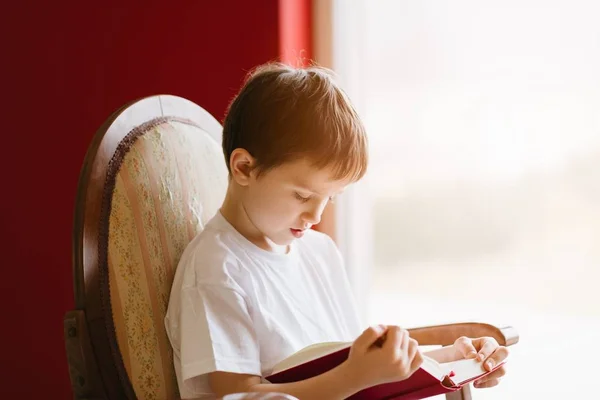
[{"x": 301, "y": 198}]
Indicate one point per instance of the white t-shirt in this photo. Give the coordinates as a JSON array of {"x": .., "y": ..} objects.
[{"x": 235, "y": 307}]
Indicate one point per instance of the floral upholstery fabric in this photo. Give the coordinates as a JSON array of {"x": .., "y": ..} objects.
[{"x": 169, "y": 184}]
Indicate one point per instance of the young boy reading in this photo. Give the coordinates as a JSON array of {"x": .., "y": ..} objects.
[{"x": 258, "y": 284}]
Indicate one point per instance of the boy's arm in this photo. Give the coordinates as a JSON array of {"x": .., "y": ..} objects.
[
  {"x": 368, "y": 364},
  {"x": 337, "y": 383}
]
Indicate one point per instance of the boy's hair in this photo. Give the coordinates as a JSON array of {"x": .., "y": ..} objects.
[{"x": 284, "y": 114}]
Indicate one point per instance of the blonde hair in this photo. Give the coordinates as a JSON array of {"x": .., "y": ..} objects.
[{"x": 284, "y": 113}]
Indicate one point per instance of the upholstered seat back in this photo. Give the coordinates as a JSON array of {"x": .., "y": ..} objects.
[{"x": 166, "y": 179}]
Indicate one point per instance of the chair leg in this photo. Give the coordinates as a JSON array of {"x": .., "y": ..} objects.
[
  {"x": 463, "y": 394},
  {"x": 83, "y": 370}
]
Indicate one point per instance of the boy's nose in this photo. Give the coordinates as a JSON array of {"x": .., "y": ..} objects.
[
  {"x": 313, "y": 216},
  {"x": 312, "y": 219}
]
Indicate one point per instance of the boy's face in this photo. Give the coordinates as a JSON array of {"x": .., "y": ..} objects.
[{"x": 285, "y": 201}]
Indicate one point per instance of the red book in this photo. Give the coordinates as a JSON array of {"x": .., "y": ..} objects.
[{"x": 431, "y": 379}]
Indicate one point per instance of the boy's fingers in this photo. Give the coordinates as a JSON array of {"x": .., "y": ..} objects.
[
  {"x": 499, "y": 373},
  {"x": 487, "y": 384},
  {"x": 369, "y": 337},
  {"x": 412, "y": 348},
  {"x": 405, "y": 340},
  {"x": 487, "y": 347},
  {"x": 465, "y": 347},
  {"x": 418, "y": 357},
  {"x": 393, "y": 340},
  {"x": 498, "y": 356}
]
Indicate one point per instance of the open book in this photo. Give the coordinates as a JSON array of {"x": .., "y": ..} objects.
[{"x": 431, "y": 379}]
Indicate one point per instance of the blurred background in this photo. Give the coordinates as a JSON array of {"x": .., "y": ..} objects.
[{"x": 484, "y": 184}]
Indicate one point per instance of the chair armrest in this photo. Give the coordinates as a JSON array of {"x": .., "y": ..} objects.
[{"x": 445, "y": 335}]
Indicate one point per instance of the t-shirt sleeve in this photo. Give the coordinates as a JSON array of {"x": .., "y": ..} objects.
[{"x": 216, "y": 334}]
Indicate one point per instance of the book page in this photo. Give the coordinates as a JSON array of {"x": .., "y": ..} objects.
[
  {"x": 435, "y": 369},
  {"x": 309, "y": 353},
  {"x": 465, "y": 370}
]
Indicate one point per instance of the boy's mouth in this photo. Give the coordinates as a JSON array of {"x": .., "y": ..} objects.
[{"x": 298, "y": 233}]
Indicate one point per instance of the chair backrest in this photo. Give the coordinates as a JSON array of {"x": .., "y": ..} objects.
[{"x": 153, "y": 176}]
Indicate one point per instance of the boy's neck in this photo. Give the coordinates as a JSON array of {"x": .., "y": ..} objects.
[{"x": 233, "y": 211}]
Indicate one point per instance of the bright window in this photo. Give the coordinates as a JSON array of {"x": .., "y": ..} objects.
[{"x": 484, "y": 183}]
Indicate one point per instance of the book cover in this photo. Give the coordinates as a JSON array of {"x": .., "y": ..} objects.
[{"x": 431, "y": 379}]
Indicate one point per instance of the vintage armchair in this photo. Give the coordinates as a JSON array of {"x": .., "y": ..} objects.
[{"x": 152, "y": 177}]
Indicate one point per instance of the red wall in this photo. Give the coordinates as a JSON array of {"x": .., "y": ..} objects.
[
  {"x": 64, "y": 70},
  {"x": 295, "y": 31}
]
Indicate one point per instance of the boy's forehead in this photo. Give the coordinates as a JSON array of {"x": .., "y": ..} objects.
[
  {"x": 302, "y": 170},
  {"x": 305, "y": 175}
]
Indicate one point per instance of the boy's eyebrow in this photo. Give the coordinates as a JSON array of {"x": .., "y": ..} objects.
[{"x": 304, "y": 187}]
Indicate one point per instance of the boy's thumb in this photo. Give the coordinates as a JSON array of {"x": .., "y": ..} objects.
[{"x": 369, "y": 337}]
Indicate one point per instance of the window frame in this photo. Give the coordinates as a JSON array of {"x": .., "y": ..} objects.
[{"x": 336, "y": 25}]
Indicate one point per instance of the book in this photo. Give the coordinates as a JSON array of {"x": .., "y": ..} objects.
[{"x": 431, "y": 379}]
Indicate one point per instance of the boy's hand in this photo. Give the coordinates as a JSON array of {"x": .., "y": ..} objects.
[
  {"x": 372, "y": 361},
  {"x": 484, "y": 349}
]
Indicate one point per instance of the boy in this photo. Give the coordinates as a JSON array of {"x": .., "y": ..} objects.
[{"x": 258, "y": 284}]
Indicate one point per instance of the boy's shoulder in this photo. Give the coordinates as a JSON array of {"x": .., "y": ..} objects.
[
  {"x": 212, "y": 244},
  {"x": 211, "y": 257}
]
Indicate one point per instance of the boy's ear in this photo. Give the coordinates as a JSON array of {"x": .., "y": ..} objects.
[{"x": 241, "y": 164}]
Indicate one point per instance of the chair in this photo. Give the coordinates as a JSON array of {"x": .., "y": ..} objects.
[{"x": 152, "y": 177}]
